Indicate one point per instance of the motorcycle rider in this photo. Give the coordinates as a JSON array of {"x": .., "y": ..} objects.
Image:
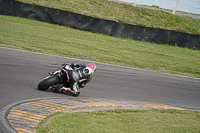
[{"x": 77, "y": 76}]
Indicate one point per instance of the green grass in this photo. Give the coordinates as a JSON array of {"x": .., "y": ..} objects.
[
  {"x": 122, "y": 121},
  {"x": 47, "y": 38},
  {"x": 124, "y": 14}
]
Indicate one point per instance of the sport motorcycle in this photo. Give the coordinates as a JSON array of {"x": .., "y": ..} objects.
[{"x": 60, "y": 80}]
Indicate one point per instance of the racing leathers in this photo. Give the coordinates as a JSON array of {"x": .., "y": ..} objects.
[{"x": 77, "y": 76}]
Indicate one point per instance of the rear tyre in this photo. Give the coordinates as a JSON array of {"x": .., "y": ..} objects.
[{"x": 46, "y": 83}]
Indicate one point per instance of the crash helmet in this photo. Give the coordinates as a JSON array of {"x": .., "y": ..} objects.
[{"x": 92, "y": 66}]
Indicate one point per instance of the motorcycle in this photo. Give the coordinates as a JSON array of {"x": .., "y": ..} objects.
[{"x": 60, "y": 80}]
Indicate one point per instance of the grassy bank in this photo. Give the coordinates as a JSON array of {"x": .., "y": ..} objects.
[
  {"x": 124, "y": 14},
  {"x": 47, "y": 38},
  {"x": 123, "y": 121}
]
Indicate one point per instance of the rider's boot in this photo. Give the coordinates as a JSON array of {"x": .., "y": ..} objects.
[{"x": 65, "y": 89}]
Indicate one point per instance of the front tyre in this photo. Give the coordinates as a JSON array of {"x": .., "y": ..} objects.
[{"x": 46, "y": 83}]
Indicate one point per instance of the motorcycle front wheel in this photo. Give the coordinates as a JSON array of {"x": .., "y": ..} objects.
[{"x": 46, "y": 83}]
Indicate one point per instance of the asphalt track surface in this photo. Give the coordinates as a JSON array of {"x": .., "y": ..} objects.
[{"x": 21, "y": 71}]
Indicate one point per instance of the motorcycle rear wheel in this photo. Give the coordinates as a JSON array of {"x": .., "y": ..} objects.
[{"x": 46, "y": 83}]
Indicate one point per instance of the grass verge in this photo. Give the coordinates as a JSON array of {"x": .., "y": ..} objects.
[
  {"x": 47, "y": 38},
  {"x": 124, "y": 13},
  {"x": 122, "y": 121}
]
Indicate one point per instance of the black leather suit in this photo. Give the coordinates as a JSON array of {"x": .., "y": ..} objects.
[{"x": 79, "y": 76}]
